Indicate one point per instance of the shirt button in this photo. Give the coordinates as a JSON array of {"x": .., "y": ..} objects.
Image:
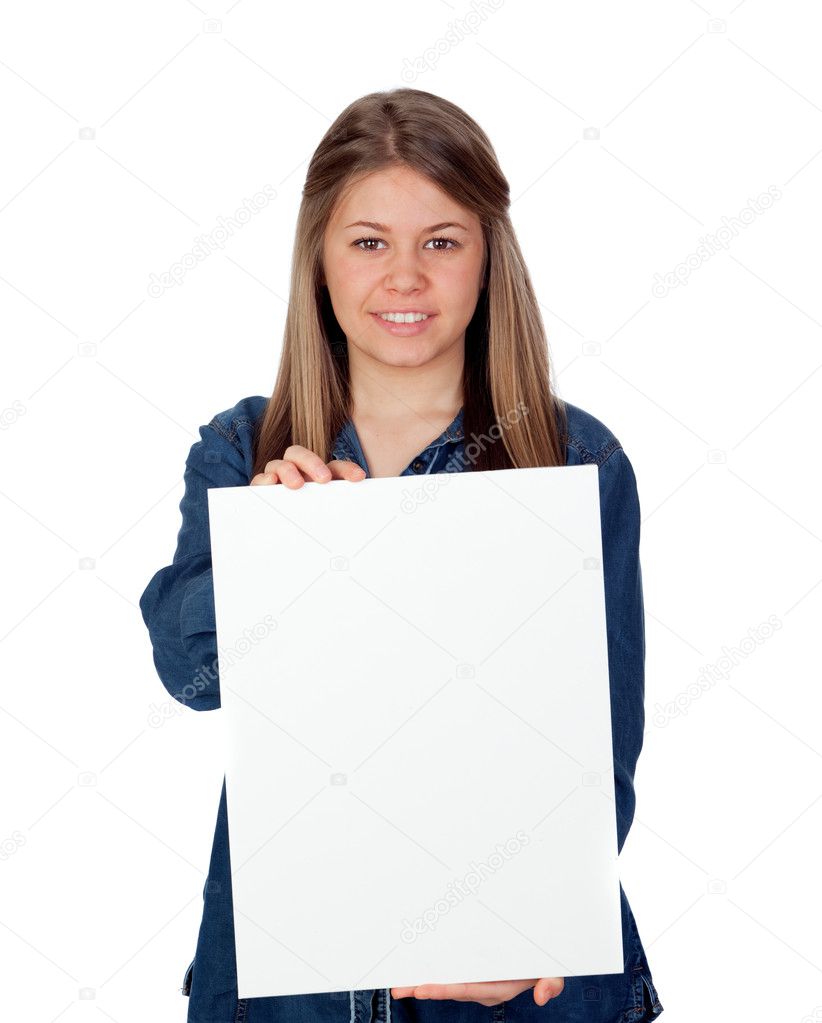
[{"x": 418, "y": 465}]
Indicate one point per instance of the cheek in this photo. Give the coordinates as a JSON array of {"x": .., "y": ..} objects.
[
  {"x": 463, "y": 285},
  {"x": 353, "y": 275}
]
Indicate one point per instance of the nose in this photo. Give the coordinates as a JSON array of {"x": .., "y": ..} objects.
[{"x": 405, "y": 271}]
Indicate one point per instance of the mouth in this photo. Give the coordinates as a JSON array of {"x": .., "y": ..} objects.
[
  {"x": 403, "y": 315},
  {"x": 408, "y": 324}
]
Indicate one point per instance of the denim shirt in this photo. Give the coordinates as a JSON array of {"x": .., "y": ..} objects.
[{"x": 178, "y": 609}]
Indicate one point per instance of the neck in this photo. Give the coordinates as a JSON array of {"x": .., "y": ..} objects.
[{"x": 383, "y": 392}]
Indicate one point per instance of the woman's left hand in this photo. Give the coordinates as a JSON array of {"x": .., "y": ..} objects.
[{"x": 490, "y": 992}]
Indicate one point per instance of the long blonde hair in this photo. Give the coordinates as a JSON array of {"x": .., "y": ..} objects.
[{"x": 511, "y": 418}]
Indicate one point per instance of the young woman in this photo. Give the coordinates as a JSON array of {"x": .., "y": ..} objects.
[{"x": 413, "y": 345}]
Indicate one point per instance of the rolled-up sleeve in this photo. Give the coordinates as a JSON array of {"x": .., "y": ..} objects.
[
  {"x": 177, "y": 605},
  {"x": 625, "y": 616}
]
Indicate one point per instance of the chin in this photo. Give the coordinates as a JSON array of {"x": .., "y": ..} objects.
[
  {"x": 408, "y": 351},
  {"x": 408, "y": 359}
]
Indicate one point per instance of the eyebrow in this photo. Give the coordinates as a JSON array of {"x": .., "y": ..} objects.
[{"x": 387, "y": 230}]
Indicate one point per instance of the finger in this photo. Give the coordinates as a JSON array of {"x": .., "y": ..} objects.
[
  {"x": 401, "y": 992},
  {"x": 309, "y": 461},
  {"x": 271, "y": 476},
  {"x": 291, "y": 474},
  {"x": 280, "y": 471},
  {"x": 547, "y": 988},
  {"x": 343, "y": 469},
  {"x": 488, "y": 992}
]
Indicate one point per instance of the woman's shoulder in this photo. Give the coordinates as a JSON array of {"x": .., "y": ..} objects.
[
  {"x": 228, "y": 437},
  {"x": 588, "y": 439},
  {"x": 229, "y": 422}
]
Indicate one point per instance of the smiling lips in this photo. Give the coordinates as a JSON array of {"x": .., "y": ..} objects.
[
  {"x": 412, "y": 316},
  {"x": 404, "y": 324}
]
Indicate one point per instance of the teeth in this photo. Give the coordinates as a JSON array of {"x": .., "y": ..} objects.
[{"x": 403, "y": 317}]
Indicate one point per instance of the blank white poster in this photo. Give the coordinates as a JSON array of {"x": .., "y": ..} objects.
[{"x": 414, "y": 687}]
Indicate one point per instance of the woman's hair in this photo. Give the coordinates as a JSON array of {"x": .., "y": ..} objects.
[{"x": 511, "y": 418}]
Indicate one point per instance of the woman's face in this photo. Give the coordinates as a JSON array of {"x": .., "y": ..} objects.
[{"x": 404, "y": 268}]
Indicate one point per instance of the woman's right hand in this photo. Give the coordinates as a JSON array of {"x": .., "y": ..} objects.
[{"x": 299, "y": 465}]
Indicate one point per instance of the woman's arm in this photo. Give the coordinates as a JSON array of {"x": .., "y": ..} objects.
[
  {"x": 625, "y": 616},
  {"x": 178, "y": 603}
]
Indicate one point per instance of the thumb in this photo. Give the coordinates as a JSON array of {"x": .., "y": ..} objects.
[{"x": 545, "y": 989}]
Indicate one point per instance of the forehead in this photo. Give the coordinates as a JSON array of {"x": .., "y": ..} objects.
[{"x": 400, "y": 198}]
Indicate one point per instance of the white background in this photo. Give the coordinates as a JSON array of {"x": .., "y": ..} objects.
[{"x": 712, "y": 387}]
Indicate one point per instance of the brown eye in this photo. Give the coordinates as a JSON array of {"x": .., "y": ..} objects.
[
  {"x": 442, "y": 248},
  {"x": 359, "y": 241}
]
